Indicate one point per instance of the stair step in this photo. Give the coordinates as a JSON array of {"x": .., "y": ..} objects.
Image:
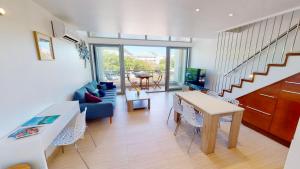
[{"x": 258, "y": 73}]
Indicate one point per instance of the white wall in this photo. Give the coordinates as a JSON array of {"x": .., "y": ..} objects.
[
  {"x": 203, "y": 56},
  {"x": 28, "y": 85}
]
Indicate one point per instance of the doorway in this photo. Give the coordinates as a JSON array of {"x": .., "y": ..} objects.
[{"x": 163, "y": 67}]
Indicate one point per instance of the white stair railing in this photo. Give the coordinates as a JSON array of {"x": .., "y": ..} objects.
[{"x": 250, "y": 48}]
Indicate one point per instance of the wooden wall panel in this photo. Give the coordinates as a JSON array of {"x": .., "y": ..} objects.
[
  {"x": 285, "y": 119},
  {"x": 260, "y": 120}
]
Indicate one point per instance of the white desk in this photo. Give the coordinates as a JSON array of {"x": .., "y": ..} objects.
[
  {"x": 31, "y": 149},
  {"x": 213, "y": 108}
]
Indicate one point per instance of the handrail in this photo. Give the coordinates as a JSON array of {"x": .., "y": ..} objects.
[{"x": 265, "y": 47}]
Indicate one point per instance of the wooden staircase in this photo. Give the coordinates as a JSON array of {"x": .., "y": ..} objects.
[{"x": 251, "y": 80}]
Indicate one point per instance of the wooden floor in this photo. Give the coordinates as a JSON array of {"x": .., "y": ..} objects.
[{"x": 142, "y": 140}]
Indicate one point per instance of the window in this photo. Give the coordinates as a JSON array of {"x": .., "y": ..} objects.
[
  {"x": 181, "y": 39},
  {"x": 161, "y": 38},
  {"x": 104, "y": 35},
  {"x": 140, "y": 37},
  {"x": 130, "y": 36}
]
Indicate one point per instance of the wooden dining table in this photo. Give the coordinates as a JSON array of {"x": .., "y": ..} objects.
[{"x": 212, "y": 109}]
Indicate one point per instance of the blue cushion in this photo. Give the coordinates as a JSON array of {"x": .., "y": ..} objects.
[
  {"x": 102, "y": 86},
  {"x": 112, "y": 101},
  {"x": 110, "y": 91},
  {"x": 109, "y": 85},
  {"x": 113, "y": 90},
  {"x": 101, "y": 93},
  {"x": 90, "y": 87},
  {"x": 94, "y": 83},
  {"x": 80, "y": 95},
  {"x": 93, "y": 92},
  {"x": 108, "y": 97}
]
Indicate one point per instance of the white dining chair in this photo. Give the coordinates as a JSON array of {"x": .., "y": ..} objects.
[
  {"x": 71, "y": 134},
  {"x": 235, "y": 102},
  {"x": 228, "y": 118},
  {"x": 177, "y": 107},
  {"x": 193, "y": 118}
]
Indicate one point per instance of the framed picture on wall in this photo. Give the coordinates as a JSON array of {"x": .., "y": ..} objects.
[{"x": 44, "y": 46}]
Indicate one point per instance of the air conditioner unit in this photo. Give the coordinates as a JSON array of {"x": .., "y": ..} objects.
[{"x": 60, "y": 30}]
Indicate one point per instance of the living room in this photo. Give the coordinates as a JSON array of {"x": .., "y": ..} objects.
[{"x": 133, "y": 70}]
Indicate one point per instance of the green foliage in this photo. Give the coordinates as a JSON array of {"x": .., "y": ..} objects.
[{"x": 112, "y": 63}]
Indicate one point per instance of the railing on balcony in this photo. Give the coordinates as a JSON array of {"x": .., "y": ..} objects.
[{"x": 115, "y": 77}]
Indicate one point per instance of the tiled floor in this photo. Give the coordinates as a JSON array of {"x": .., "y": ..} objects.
[{"x": 142, "y": 140}]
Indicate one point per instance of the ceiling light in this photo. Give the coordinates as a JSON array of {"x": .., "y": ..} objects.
[
  {"x": 197, "y": 9},
  {"x": 231, "y": 14},
  {"x": 2, "y": 11}
]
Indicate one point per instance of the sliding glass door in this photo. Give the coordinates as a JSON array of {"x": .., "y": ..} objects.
[
  {"x": 178, "y": 62},
  {"x": 150, "y": 68},
  {"x": 108, "y": 64},
  {"x": 145, "y": 64}
]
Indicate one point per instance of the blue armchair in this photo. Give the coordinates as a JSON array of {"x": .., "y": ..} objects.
[{"x": 96, "y": 110}]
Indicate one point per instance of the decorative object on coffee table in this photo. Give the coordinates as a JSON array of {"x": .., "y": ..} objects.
[
  {"x": 138, "y": 91},
  {"x": 44, "y": 46}
]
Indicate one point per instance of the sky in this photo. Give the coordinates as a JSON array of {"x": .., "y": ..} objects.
[
  {"x": 144, "y": 50},
  {"x": 141, "y": 50}
]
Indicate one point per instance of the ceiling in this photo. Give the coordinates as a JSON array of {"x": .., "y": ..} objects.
[{"x": 163, "y": 17}]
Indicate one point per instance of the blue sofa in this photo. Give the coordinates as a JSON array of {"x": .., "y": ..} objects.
[{"x": 97, "y": 110}]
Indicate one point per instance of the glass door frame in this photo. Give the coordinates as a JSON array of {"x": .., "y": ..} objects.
[
  {"x": 121, "y": 62},
  {"x": 168, "y": 63}
]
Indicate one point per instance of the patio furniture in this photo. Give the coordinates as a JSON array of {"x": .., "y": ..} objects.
[
  {"x": 142, "y": 76},
  {"x": 133, "y": 84},
  {"x": 156, "y": 83}
]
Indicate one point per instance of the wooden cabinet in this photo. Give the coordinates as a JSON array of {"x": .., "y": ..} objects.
[
  {"x": 275, "y": 109},
  {"x": 256, "y": 118},
  {"x": 285, "y": 119}
]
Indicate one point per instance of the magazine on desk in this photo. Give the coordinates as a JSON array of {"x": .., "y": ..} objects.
[
  {"x": 32, "y": 126},
  {"x": 40, "y": 121}
]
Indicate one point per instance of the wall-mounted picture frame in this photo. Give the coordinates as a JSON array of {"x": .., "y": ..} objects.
[{"x": 44, "y": 46}]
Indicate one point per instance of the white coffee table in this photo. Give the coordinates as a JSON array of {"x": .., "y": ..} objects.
[{"x": 132, "y": 97}]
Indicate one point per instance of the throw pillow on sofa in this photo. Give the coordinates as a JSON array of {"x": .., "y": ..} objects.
[
  {"x": 89, "y": 98},
  {"x": 102, "y": 86},
  {"x": 101, "y": 93},
  {"x": 109, "y": 85},
  {"x": 94, "y": 92}
]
